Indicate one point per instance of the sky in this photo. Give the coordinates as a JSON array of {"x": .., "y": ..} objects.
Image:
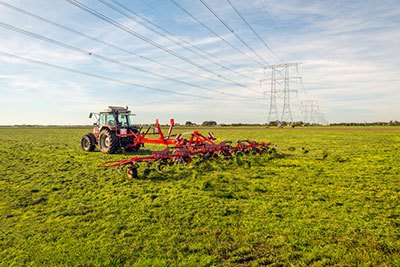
[{"x": 153, "y": 57}]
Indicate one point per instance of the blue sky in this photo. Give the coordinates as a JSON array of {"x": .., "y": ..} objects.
[{"x": 349, "y": 50}]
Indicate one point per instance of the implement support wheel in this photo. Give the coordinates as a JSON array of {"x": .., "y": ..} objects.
[{"x": 132, "y": 172}]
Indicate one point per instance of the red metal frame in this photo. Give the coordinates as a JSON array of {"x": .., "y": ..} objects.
[
  {"x": 140, "y": 138},
  {"x": 184, "y": 154}
]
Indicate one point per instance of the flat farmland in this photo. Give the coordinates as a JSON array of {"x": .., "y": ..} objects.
[{"x": 327, "y": 196}]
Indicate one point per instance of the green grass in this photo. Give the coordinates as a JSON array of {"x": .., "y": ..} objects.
[{"x": 328, "y": 197}]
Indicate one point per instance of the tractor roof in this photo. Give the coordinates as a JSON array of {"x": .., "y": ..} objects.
[{"x": 116, "y": 108}]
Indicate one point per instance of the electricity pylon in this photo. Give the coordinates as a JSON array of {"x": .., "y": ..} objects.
[
  {"x": 273, "y": 109},
  {"x": 312, "y": 113},
  {"x": 284, "y": 70}
]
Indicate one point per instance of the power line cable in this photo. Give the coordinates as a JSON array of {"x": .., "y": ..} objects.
[
  {"x": 142, "y": 37},
  {"x": 269, "y": 16},
  {"x": 106, "y": 59},
  {"x": 150, "y": 6},
  {"x": 213, "y": 32},
  {"x": 46, "y": 64},
  {"x": 252, "y": 29},
  {"x": 181, "y": 41},
  {"x": 233, "y": 32},
  {"x": 38, "y": 62},
  {"x": 105, "y": 43}
]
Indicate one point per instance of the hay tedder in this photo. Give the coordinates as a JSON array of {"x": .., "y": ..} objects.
[{"x": 113, "y": 131}]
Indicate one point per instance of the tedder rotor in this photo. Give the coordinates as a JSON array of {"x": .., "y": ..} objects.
[
  {"x": 113, "y": 131},
  {"x": 183, "y": 154}
]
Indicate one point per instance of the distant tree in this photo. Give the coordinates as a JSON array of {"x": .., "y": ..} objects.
[
  {"x": 273, "y": 123},
  {"x": 297, "y": 123},
  {"x": 209, "y": 123},
  {"x": 189, "y": 123},
  {"x": 377, "y": 123}
]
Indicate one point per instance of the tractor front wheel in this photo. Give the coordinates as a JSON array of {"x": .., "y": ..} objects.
[
  {"x": 108, "y": 142},
  {"x": 88, "y": 142}
]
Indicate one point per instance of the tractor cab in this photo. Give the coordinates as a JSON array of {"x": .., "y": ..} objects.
[{"x": 118, "y": 117}]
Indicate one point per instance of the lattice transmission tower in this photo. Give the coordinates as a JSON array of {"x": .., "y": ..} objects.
[
  {"x": 273, "y": 109},
  {"x": 312, "y": 113},
  {"x": 281, "y": 90}
]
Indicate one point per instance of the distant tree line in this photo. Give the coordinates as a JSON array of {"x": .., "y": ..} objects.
[
  {"x": 300, "y": 123},
  {"x": 285, "y": 123},
  {"x": 295, "y": 124},
  {"x": 209, "y": 123},
  {"x": 189, "y": 123},
  {"x": 378, "y": 123},
  {"x": 214, "y": 123},
  {"x": 205, "y": 123},
  {"x": 241, "y": 124}
]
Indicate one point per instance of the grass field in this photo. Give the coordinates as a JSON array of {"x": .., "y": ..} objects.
[{"x": 329, "y": 196}]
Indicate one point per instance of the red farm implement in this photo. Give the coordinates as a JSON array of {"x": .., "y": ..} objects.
[
  {"x": 184, "y": 154},
  {"x": 113, "y": 131}
]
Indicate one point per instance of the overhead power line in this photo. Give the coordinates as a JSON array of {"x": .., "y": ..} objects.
[
  {"x": 38, "y": 62},
  {"x": 107, "y": 43},
  {"x": 213, "y": 32},
  {"x": 147, "y": 40},
  {"x": 120, "y": 8},
  {"x": 106, "y": 59},
  {"x": 46, "y": 64},
  {"x": 269, "y": 15},
  {"x": 233, "y": 32},
  {"x": 252, "y": 29}
]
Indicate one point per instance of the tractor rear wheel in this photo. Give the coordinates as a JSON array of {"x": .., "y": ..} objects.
[
  {"x": 88, "y": 142},
  {"x": 108, "y": 142}
]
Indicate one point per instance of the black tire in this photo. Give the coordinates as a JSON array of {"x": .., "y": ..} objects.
[
  {"x": 88, "y": 142},
  {"x": 132, "y": 149},
  {"x": 132, "y": 172},
  {"x": 108, "y": 142},
  {"x": 136, "y": 148}
]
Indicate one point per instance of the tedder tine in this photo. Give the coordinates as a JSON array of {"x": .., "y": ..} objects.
[{"x": 183, "y": 155}]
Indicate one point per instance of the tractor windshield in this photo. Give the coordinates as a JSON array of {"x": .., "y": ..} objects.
[
  {"x": 124, "y": 120},
  {"x": 109, "y": 119}
]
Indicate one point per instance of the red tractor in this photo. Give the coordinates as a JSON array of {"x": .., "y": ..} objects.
[{"x": 112, "y": 131}]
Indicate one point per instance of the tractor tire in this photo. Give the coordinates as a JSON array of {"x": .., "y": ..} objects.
[
  {"x": 88, "y": 142},
  {"x": 108, "y": 142}
]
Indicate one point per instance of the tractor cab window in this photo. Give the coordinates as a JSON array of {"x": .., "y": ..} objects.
[
  {"x": 110, "y": 120},
  {"x": 102, "y": 119},
  {"x": 124, "y": 120},
  {"x": 106, "y": 119}
]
